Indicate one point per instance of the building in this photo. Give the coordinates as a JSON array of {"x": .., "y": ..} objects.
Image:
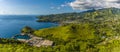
[{"x": 34, "y": 40}]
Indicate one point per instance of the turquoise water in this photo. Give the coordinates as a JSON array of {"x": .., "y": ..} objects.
[
  {"x": 21, "y": 37},
  {"x": 10, "y": 25}
]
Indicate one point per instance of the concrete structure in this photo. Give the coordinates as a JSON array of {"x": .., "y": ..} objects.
[
  {"x": 37, "y": 41},
  {"x": 47, "y": 43}
]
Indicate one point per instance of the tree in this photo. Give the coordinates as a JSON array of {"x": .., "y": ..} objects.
[{"x": 27, "y": 30}]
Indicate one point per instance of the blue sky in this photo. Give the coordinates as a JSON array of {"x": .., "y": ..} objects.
[
  {"x": 35, "y": 7},
  {"x": 40, "y": 7}
]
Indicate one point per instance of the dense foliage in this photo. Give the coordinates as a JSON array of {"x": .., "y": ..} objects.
[
  {"x": 82, "y": 37},
  {"x": 27, "y": 30},
  {"x": 90, "y": 31},
  {"x": 10, "y": 45}
]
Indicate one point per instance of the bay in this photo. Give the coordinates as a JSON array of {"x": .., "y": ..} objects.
[{"x": 10, "y": 25}]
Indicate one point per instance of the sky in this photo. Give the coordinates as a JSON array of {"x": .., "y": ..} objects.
[
  {"x": 94, "y": 4},
  {"x": 40, "y": 7},
  {"x": 34, "y": 7}
]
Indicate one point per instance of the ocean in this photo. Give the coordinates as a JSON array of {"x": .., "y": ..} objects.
[{"x": 10, "y": 25}]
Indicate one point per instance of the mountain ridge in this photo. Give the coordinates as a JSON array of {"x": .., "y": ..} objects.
[{"x": 78, "y": 16}]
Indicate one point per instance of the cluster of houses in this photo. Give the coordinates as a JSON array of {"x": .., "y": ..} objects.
[{"x": 36, "y": 41}]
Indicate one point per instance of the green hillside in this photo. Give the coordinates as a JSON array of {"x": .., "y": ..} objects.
[
  {"x": 82, "y": 37},
  {"x": 89, "y": 31}
]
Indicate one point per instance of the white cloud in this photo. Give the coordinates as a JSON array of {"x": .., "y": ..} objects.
[
  {"x": 60, "y": 6},
  {"x": 52, "y": 7},
  {"x": 2, "y": 12},
  {"x": 89, "y": 4},
  {"x": 63, "y": 5}
]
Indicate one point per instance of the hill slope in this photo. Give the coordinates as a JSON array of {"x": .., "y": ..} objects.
[
  {"x": 89, "y": 31},
  {"x": 95, "y": 31}
]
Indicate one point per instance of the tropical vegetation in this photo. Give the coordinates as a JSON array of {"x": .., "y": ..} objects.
[{"x": 89, "y": 31}]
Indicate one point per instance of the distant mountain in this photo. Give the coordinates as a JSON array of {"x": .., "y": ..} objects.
[
  {"x": 114, "y": 10},
  {"x": 89, "y": 15}
]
